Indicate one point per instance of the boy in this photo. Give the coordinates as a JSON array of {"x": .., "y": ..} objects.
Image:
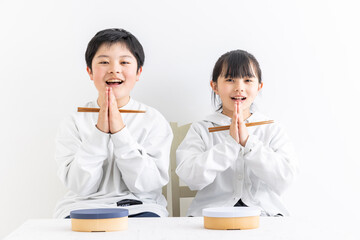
[{"x": 111, "y": 159}]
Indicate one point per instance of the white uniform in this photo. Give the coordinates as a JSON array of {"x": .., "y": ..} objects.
[
  {"x": 99, "y": 169},
  {"x": 223, "y": 171}
]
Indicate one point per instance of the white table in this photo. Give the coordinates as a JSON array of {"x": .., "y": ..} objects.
[{"x": 185, "y": 228}]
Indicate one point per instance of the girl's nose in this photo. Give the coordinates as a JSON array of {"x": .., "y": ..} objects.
[{"x": 239, "y": 87}]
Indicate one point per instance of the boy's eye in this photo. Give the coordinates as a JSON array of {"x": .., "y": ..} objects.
[
  {"x": 229, "y": 80},
  {"x": 124, "y": 62},
  {"x": 104, "y": 62}
]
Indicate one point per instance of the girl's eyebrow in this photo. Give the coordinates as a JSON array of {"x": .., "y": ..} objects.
[{"x": 106, "y": 56}]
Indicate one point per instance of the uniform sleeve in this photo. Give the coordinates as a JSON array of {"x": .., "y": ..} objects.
[
  {"x": 197, "y": 164},
  {"x": 80, "y": 160},
  {"x": 275, "y": 164},
  {"x": 144, "y": 168}
]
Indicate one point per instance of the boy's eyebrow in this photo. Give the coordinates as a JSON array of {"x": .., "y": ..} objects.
[{"x": 100, "y": 56}]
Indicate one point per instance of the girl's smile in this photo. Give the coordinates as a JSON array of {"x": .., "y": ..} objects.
[{"x": 239, "y": 98}]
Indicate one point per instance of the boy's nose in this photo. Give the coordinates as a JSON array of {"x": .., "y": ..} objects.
[{"x": 115, "y": 68}]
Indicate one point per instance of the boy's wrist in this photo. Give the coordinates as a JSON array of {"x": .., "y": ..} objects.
[{"x": 116, "y": 131}]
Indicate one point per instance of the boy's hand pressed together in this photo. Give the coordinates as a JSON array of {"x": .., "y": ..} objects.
[
  {"x": 116, "y": 122},
  {"x": 103, "y": 118},
  {"x": 109, "y": 120}
]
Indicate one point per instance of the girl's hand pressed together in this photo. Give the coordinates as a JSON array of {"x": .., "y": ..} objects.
[
  {"x": 103, "y": 118},
  {"x": 234, "y": 128},
  {"x": 116, "y": 122},
  {"x": 238, "y": 128},
  {"x": 243, "y": 133}
]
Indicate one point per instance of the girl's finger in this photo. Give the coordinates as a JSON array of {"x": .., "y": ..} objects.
[{"x": 240, "y": 111}]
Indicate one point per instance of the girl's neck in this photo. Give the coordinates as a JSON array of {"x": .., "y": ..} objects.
[{"x": 246, "y": 113}]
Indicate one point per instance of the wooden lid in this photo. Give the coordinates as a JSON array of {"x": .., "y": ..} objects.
[
  {"x": 231, "y": 212},
  {"x": 99, "y": 213}
]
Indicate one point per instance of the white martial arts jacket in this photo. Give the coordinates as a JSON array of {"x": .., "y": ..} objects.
[
  {"x": 223, "y": 171},
  {"x": 99, "y": 169}
]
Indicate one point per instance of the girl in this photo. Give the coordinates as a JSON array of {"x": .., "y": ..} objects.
[{"x": 242, "y": 166}]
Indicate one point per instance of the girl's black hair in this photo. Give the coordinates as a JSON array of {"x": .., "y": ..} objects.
[
  {"x": 111, "y": 36},
  {"x": 234, "y": 64}
]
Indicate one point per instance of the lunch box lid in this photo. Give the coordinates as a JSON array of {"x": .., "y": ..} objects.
[
  {"x": 230, "y": 212},
  {"x": 99, "y": 213}
]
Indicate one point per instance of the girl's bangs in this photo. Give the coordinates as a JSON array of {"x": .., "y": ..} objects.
[{"x": 237, "y": 67}]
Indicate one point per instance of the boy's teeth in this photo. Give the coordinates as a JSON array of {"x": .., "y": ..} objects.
[{"x": 114, "y": 81}]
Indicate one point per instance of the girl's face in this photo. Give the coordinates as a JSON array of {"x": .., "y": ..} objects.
[
  {"x": 232, "y": 90},
  {"x": 116, "y": 67}
]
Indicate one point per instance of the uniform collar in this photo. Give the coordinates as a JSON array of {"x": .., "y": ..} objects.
[{"x": 221, "y": 119}]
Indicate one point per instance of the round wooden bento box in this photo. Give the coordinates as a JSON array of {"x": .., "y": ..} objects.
[
  {"x": 99, "y": 220},
  {"x": 231, "y": 218}
]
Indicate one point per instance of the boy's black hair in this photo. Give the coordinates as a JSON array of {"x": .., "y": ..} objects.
[
  {"x": 111, "y": 36},
  {"x": 234, "y": 64}
]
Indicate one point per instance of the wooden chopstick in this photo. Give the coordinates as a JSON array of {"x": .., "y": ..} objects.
[
  {"x": 84, "y": 109},
  {"x": 222, "y": 128}
]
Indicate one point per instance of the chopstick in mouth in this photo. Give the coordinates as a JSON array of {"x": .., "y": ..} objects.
[
  {"x": 84, "y": 109},
  {"x": 222, "y": 128}
]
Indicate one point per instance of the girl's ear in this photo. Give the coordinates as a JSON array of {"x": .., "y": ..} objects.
[
  {"x": 89, "y": 72},
  {"x": 260, "y": 86},
  {"x": 138, "y": 74},
  {"x": 214, "y": 87}
]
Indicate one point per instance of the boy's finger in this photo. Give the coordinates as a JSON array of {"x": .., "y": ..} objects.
[{"x": 112, "y": 98}]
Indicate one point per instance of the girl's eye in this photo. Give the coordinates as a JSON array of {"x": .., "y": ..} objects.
[
  {"x": 229, "y": 80},
  {"x": 104, "y": 62},
  {"x": 124, "y": 62},
  {"x": 248, "y": 80}
]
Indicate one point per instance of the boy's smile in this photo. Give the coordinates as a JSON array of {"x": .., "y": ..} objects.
[
  {"x": 114, "y": 81},
  {"x": 114, "y": 66}
]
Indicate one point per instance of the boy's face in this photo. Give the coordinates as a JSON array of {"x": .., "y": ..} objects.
[{"x": 116, "y": 67}]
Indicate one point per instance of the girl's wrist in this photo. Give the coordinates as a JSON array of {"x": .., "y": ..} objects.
[
  {"x": 244, "y": 141},
  {"x": 100, "y": 129}
]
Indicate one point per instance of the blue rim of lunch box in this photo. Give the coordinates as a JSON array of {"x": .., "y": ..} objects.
[{"x": 99, "y": 213}]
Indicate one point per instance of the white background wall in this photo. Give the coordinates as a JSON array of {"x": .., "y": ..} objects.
[{"x": 308, "y": 50}]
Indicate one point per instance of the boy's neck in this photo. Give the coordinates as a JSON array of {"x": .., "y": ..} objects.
[{"x": 120, "y": 102}]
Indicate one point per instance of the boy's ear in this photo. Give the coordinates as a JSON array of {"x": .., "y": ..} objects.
[
  {"x": 214, "y": 87},
  {"x": 138, "y": 74},
  {"x": 89, "y": 72}
]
